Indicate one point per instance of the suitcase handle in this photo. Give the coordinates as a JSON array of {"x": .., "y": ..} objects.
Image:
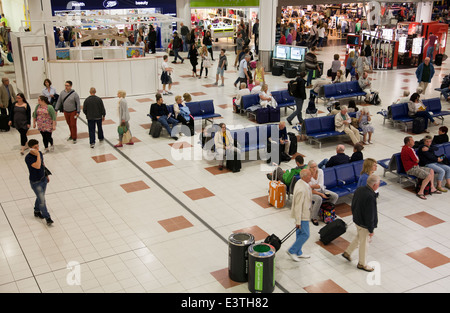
[{"x": 289, "y": 235}]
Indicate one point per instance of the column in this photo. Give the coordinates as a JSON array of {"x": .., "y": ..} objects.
[
  {"x": 184, "y": 13},
  {"x": 423, "y": 12},
  {"x": 267, "y": 28},
  {"x": 40, "y": 10}
]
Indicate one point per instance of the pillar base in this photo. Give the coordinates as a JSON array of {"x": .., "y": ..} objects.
[{"x": 266, "y": 58}]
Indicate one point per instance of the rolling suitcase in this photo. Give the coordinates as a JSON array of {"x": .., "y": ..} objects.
[
  {"x": 332, "y": 230},
  {"x": 277, "y": 70},
  {"x": 262, "y": 115},
  {"x": 234, "y": 164},
  {"x": 4, "y": 119},
  {"x": 277, "y": 193},
  {"x": 274, "y": 114},
  {"x": 276, "y": 242},
  {"x": 293, "y": 145},
  {"x": 438, "y": 59},
  {"x": 155, "y": 129},
  {"x": 419, "y": 125}
]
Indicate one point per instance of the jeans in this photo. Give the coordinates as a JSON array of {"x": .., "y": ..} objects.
[
  {"x": 446, "y": 92},
  {"x": 175, "y": 52},
  {"x": 39, "y": 188},
  {"x": 298, "y": 111},
  {"x": 185, "y": 44},
  {"x": 165, "y": 121},
  {"x": 309, "y": 79},
  {"x": 426, "y": 115},
  {"x": 91, "y": 127},
  {"x": 323, "y": 163},
  {"x": 441, "y": 170},
  {"x": 302, "y": 236},
  {"x": 430, "y": 52}
]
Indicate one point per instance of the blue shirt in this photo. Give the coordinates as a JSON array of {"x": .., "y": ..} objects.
[{"x": 362, "y": 181}]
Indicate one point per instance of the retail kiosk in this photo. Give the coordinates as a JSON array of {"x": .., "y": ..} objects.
[{"x": 289, "y": 56}]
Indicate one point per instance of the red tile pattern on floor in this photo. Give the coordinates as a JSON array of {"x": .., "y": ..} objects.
[
  {"x": 262, "y": 202},
  {"x": 223, "y": 278},
  {"x": 104, "y": 158},
  {"x": 108, "y": 122},
  {"x": 199, "y": 193},
  {"x": 337, "y": 246},
  {"x": 424, "y": 219},
  {"x": 429, "y": 257},
  {"x": 135, "y": 186},
  {"x": 257, "y": 232},
  {"x": 198, "y": 93},
  {"x": 144, "y": 100},
  {"x": 175, "y": 223},
  {"x": 180, "y": 145},
  {"x": 327, "y": 286},
  {"x": 146, "y": 126},
  {"x": 159, "y": 163},
  {"x": 82, "y": 135},
  {"x": 215, "y": 170}
]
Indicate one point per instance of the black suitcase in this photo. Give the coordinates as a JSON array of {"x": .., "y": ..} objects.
[
  {"x": 274, "y": 114},
  {"x": 4, "y": 120},
  {"x": 276, "y": 242},
  {"x": 293, "y": 145},
  {"x": 277, "y": 70},
  {"x": 262, "y": 115},
  {"x": 290, "y": 72},
  {"x": 234, "y": 164},
  {"x": 419, "y": 125},
  {"x": 438, "y": 59},
  {"x": 332, "y": 230},
  {"x": 155, "y": 129}
]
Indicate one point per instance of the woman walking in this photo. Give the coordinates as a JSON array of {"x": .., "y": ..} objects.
[
  {"x": 20, "y": 118},
  {"x": 124, "y": 117},
  {"x": 205, "y": 58},
  {"x": 193, "y": 58},
  {"x": 44, "y": 116}
]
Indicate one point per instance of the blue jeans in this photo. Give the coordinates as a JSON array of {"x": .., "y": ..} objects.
[
  {"x": 39, "y": 188},
  {"x": 165, "y": 121},
  {"x": 426, "y": 115},
  {"x": 441, "y": 170},
  {"x": 175, "y": 52},
  {"x": 446, "y": 92},
  {"x": 298, "y": 111},
  {"x": 323, "y": 163},
  {"x": 430, "y": 52},
  {"x": 185, "y": 43},
  {"x": 91, "y": 127},
  {"x": 309, "y": 79},
  {"x": 302, "y": 236}
]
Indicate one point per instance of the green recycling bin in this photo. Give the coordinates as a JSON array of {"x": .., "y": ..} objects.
[
  {"x": 238, "y": 256},
  {"x": 261, "y": 268}
]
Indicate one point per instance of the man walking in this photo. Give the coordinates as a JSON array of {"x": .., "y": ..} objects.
[
  {"x": 311, "y": 64},
  {"x": 69, "y": 103},
  {"x": 184, "y": 36},
  {"x": 299, "y": 97},
  {"x": 7, "y": 96},
  {"x": 177, "y": 46},
  {"x": 300, "y": 211},
  {"x": 425, "y": 73},
  {"x": 95, "y": 112},
  {"x": 365, "y": 217}
]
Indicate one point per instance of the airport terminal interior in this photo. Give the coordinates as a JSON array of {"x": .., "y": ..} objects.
[{"x": 156, "y": 216}]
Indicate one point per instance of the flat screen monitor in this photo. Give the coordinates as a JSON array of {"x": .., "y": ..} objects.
[
  {"x": 352, "y": 40},
  {"x": 297, "y": 53},
  {"x": 282, "y": 52}
]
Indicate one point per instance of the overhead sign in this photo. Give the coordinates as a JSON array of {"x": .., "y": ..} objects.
[
  {"x": 223, "y": 3},
  {"x": 166, "y": 6}
]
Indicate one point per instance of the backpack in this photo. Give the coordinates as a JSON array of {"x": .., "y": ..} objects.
[
  {"x": 292, "y": 88},
  {"x": 311, "y": 109},
  {"x": 445, "y": 82},
  {"x": 327, "y": 212},
  {"x": 375, "y": 99},
  {"x": 426, "y": 191}
]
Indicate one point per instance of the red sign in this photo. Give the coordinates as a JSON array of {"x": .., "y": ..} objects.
[{"x": 34, "y": 58}]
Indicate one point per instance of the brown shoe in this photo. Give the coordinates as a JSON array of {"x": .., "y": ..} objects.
[
  {"x": 364, "y": 268},
  {"x": 347, "y": 256}
]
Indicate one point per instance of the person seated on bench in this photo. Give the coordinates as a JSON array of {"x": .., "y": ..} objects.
[
  {"x": 410, "y": 162},
  {"x": 282, "y": 145},
  {"x": 365, "y": 85},
  {"x": 183, "y": 114},
  {"x": 319, "y": 192},
  {"x": 357, "y": 153},
  {"x": 337, "y": 107},
  {"x": 243, "y": 91},
  {"x": 343, "y": 123},
  {"x": 445, "y": 90},
  {"x": 265, "y": 97},
  {"x": 256, "y": 89},
  {"x": 404, "y": 98},
  {"x": 225, "y": 145},
  {"x": 416, "y": 108},
  {"x": 364, "y": 122},
  {"x": 340, "y": 78},
  {"x": 160, "y": 113},
  {"x": 286, "y": 176},
  {"x": 339, "y": 158},
  {"x": 428, "y": 158},
  {"x": 369, "y": 167},
  {"x": 442, "y": 136}
]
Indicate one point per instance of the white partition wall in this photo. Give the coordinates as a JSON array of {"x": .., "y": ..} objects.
[{"x": 136, "y": 76}]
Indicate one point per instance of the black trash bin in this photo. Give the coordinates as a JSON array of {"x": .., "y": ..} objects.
[
  {"x": 238, "y": 256},
  {"x": 261, "y": 268}
]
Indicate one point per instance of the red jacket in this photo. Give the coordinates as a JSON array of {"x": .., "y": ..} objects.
[{"x": 409, "y": 158}]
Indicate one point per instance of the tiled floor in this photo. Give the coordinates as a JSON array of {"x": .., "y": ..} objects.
[{"x": 126, "y": 215}]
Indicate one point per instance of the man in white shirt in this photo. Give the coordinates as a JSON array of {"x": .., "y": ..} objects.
[{"x": 256, "y": 89}]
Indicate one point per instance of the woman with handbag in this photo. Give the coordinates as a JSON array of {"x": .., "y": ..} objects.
[
  {"x": 50, "y": 92},
  {"x": 205, "y": 62},
  {"x": 44, "y": 116},
  {"x": 124, "y": 117},
  {"x": 20, "y": 118}
]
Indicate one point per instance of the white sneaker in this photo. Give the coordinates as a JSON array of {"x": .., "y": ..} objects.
[
  {"x": 52, "y": 148},
  {"x": 366, "y": 142},
  {"x": 304, "y": 256},
  {"x": 293, "y": 256}
]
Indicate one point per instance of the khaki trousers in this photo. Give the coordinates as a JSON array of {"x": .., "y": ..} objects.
[
  {"x": 361, "y": 240},
  {"x": 353, "y": 133}
]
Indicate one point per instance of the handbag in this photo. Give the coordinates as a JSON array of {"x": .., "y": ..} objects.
[
  {"x": 47, "y": 171},
  {"x": 207, "y": 63},
  {"x": 126, "y": 138}
]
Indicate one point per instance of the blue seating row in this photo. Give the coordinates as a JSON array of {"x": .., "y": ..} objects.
[
  {"x": 400, "y": 111},
  {"x": 322, "y": 127},
  {"x": 343, "y": 90},
  {"x": 250, "y": 103}
]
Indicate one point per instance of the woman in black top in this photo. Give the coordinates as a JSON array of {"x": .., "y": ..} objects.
[
  {"x": 442, "y": 137},
  {"x": 20, "y": 118},
  {"x": 208, "y": 43},
  {"x": 193, "y": 57},
  {"x": 152, "y": 39}
]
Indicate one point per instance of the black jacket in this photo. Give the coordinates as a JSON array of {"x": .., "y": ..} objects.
[
  {"x": 94, "y": 108},
  {"x": 438, "y": 139},
  {"x": 340, "y": 158},
  {"x": 301, "y": 91},
  {"x": 152, "y": 35},
  {"x": 364, "y": 208},
  {"x": 158, "y": 110},
  {"x": 427, "y": 157},
  {"x": 177, "y": 42}
]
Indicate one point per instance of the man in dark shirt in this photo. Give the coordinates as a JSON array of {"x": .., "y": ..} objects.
[
  {"x": 95, "y": 112},
  {"x": 339, "y": 158},
  {"x": 177, "y": 45},
  {"x": 365, "y": 217},
  {"x": 160, "y": 113},
  {"x": 282, "y": 145},
  {"x": 38, "y": 179},
  {"x": 442, "y": 136},
  {"x": 299, "y": 98}
]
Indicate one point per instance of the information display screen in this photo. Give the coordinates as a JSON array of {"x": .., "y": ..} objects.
[
  {"x": 293, "y": 53},
  {"x": 417, "y": 46},
  {"x": 298, "y": 53},
  {"x": 282, "y": 52}
]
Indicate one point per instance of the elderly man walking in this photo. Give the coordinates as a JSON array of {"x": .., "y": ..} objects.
[{"x": 424, "y": 74}]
